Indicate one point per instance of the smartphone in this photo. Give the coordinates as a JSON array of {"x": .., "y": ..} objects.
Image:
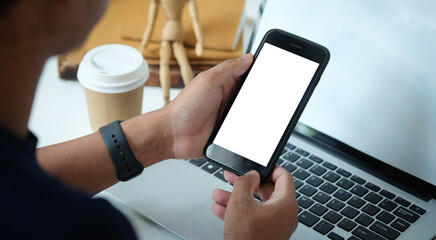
[{"x": 266, "y": 106}]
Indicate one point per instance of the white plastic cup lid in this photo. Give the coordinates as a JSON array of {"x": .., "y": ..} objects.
[{"x": 113, "y": 68}]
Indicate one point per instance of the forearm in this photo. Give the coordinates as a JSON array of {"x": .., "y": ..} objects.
[{"x": 85, "y": 163}]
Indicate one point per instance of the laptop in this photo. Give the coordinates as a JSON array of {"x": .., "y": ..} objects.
[{"x": 363, "y": 156}]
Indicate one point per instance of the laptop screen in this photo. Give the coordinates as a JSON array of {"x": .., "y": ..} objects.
[{"x": 378, "y": 93}]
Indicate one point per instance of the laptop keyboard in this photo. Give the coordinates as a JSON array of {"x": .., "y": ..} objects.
[{"x": 330, "y": 197}]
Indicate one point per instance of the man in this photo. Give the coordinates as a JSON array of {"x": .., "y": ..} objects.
[{"x": 57, "y": 205}]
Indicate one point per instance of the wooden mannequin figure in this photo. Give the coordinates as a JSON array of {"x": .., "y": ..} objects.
[{"x": 172, "y": 38}]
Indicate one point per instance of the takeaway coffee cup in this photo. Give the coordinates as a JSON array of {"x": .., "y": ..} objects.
[{"x": 113, "y": 76}]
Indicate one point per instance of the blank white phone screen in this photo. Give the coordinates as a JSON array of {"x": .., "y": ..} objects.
[{"x": 265, "y": 104}]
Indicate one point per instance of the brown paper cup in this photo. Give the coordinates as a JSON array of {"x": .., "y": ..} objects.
[
  {"x": 113, "y": 76},
  {"x": 104, "y": 108}
]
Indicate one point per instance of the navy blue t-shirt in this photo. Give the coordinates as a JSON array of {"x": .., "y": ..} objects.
[{"x": 34, "y": 205}]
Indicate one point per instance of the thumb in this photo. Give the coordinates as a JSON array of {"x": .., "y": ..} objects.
[
  {"x": 246, "y": 185},
  {"x": 232, "y": 68}
]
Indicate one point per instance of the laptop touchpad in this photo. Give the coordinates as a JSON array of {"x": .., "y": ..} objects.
[{"x": 175, "y": 194}]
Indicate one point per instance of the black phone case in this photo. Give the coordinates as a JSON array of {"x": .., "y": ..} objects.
[{"x": 299, "y": 46}]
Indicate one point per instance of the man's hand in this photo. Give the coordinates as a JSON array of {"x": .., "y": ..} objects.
[
  {"x": 194, "y": 112},
  {"x": 246, "y": 218}
]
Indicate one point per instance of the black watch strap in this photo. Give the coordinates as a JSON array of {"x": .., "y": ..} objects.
[{"x": 126, "y": 165}]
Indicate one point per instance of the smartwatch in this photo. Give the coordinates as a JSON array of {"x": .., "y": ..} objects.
[{"x": 126, "y": 165}]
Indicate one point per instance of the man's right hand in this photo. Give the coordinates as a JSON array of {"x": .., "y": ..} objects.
[{"x": 246, "y": 218}]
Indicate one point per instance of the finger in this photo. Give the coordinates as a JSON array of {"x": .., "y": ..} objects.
[
  {"x": 246, "y": 185},
  {"x": 221, "y": 197},
  {"x": 283, "y": 183},
  {"x": 219, "y": 210},
  {"x": 265, "y": 190},
  {"x": 229, "y": 69},
  {"x": 230, "y": 177}
]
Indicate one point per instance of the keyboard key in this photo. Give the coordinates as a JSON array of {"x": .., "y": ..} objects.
[
  {"x": 315, "y": 159},
  {"x": 342, "y": 194},
  {"x": 347, "y": 224},
  {"x": 198, "y": 162},
  {"x": 373, "y": 197},
  {"x": 387, "y": 205},
  {"x": 321, "y": 197},
  {"x": 301, "y": 174},
  {"x": 290, "y": 146},
  {"x": 335, "y": 236},
  {"x": 307, "y": 190},
  {"x": 220, "y": 174},
  {"x": 356, "y": 202},
  {"x": 307, "y": 218},
  {"x": 304, "y": 163},
  {"x": 304, "y": 202},
  {"x": 353, "y": 238},
  {"x": 402, "y": 201},
  {"x": 400, "y": 224},
  {"x": 359, "y": 191},
  {"x": 417, "y": 209},
  {"x": 385, "y": 217},
  {"x": 384, "y": 230},
  {"x": 366, "y": 234},
  {"x": 387, "y": 194},
  {"x": 297, "y": 184},
  {"x": 343, "y": 172},
  {"x": 358, "y": 179},
  {"x": 345, "y": 183},
  {"x": 371, "y": 209},
  {"x": 284, "y": 151},
  {"x": 350, "y": 212},
  {"x": 372, "y": 186},
  {"x": 318, "y": 170},
  {"x": 314, "y": 181},
  {"x": 332, "y": 217},
  {"x": 329, "y": 165},
  {"x": 406, "y": 214},
  {"x": 318, "y": 209},
  {"x": 302, "y": 152},
  {"x": 289, "y": 167},
  {"x": 280, "y": 161},
  {"x": 290, "y": 156},
  {"x": 328, "y": 188},
  {"x": 364, "y": 219},
  {"x": 297, "y": 195},
  {"x": 210, "y": 167},
  {"x": 331, "y": 176},
  {"x": 335, "y": 204},
  {"x": 323, "y": 227}
]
